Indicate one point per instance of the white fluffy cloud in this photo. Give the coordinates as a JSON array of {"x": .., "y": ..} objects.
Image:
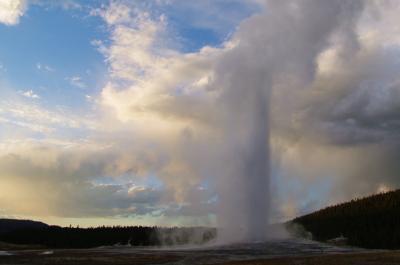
[
  {"x": 29, "y": 94},
  {"x": 76, "y": 81},
  {"x": 11, "y": 11}
]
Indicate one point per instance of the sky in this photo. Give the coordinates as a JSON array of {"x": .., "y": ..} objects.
[{"x": 138, "y": 112}]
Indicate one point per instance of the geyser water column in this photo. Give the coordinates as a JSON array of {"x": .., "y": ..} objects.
[
  {"x": 256, "y": 171},
  {"x": 257, "y": 168},
  {"x": 245, "y": 191}
]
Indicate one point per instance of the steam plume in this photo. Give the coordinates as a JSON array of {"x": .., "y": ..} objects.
[{"x": 281, "y": 43}]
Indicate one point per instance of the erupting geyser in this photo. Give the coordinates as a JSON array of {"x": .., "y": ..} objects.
[
  {"x": 245, "y": 196},
  {"x": 274, "y": 49}
]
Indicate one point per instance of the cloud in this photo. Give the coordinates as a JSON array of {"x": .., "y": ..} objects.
[
  {"x": 71, "y": 5},
  {"x": 11, "y": 11},
  {"x": 340, "y": 127},
  {"x": 76, "y": 81},
  {"x": 43, "y": 67},
  {"x": 29, "y": 94},
  {"x": 28, "y": 117},
  {"x": 82, "y": 179}
]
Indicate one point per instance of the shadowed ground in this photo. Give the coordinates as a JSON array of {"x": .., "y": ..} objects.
[
  {"x": 380, "y": 258},
  {"x": 276, "y": 252},
  {"x": 92, "y": 258}
]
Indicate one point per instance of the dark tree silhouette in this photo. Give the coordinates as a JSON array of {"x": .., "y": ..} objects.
[
  {"x": 370, "y": 222},
  {"x": 70, "y": 237}
]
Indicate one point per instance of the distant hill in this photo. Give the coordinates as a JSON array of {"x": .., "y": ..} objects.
[
  {"x": 10, "y": 225},
  {"x": 370, "y": 222}
]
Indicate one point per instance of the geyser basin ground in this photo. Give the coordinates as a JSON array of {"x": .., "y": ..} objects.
[{"x": 272, "y": 252}]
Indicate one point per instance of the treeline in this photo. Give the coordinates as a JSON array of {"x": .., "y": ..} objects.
[
  {"x": 8, "y": 225},
  {"x": 371, "y": 222},
  {"x": 71, "y": 237}
]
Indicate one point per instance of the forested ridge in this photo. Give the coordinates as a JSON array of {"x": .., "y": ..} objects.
[
  {"x": 9, "y": 225},
  {"x": 370, "y": 222},
  {"x": 74, "y": 237}
]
